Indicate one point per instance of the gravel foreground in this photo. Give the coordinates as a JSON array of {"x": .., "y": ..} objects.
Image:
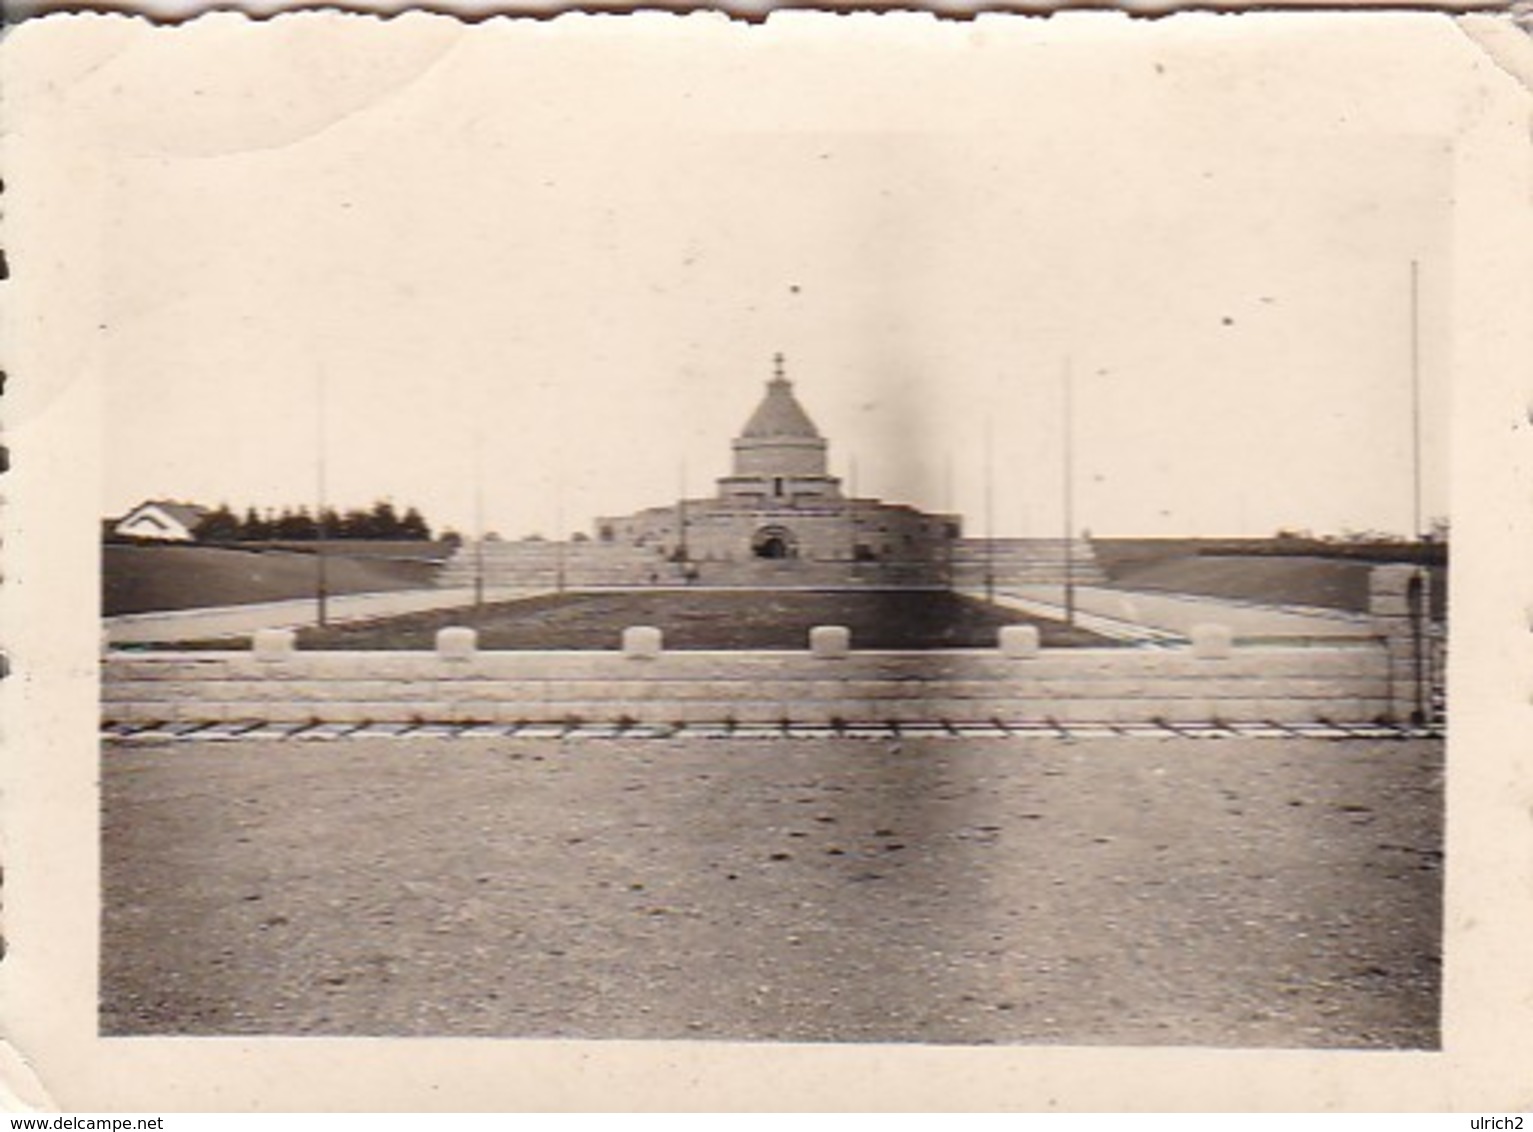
[{"x": 1281, "y": 893}]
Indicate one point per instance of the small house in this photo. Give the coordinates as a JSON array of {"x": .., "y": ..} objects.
[{"x": 161, "y": 521}]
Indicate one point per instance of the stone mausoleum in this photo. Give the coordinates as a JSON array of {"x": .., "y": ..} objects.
[
  {"x": 780, "y": 512},
  {"x": 779, "y": 518}
]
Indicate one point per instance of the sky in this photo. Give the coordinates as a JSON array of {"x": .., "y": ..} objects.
[{"x": 561, "y": 275}]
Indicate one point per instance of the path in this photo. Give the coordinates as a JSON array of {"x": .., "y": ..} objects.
[
  {"x": 243, "y": 620},
  {"x": 1177, "y": 614},
  {"x": 1123, "y": 614}
]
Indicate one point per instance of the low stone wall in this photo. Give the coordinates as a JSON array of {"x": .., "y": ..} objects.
[{"x": 1205, "y": 682}]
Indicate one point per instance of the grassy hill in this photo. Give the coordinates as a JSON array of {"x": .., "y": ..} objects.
[
  {"x": 144, "y": 579},
  {"x": 1324, "y": 582},
  {"x": 1256, "y": 570}
]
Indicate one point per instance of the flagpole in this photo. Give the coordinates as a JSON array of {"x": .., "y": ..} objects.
[
  {"x": 948, "y": 540},
  {"x": 321, "y": 579},
  {"x": 559, "y": 535},
  {"x": 852, "y": 504},
  {"x": 1069, "y": 490},
  {"x": 989, "y": 514},
  {"x": 1418, "y": 607},
  {"x": 681, "y": 511},
  {"x": 1416, "y": 531},
  {"x": 478, "y": 521}
]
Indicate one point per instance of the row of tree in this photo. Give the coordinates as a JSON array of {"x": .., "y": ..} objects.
[
  {"x": 1437, "y": 531},
  {"x": 381, "y": 521}
]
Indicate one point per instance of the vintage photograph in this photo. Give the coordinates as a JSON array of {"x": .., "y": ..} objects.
[
  {"x": 640, "y": 531},
  {"x": 735, "y": 580}
]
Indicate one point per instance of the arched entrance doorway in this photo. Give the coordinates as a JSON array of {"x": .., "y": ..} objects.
[{"x": 774, "y": 542}]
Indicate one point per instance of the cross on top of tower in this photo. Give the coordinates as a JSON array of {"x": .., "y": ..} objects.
[{"x": 779, "y": 414}]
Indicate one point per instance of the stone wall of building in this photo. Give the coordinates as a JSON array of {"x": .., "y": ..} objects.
[
  {"x": 726, "y": 530},
  {"x": 780, "y": 456}
]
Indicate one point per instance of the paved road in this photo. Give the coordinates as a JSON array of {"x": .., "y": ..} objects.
[{"x": 243, "y": 620}]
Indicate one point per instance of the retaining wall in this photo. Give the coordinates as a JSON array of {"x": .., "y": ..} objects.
[{"x": 1345, "y": 683}]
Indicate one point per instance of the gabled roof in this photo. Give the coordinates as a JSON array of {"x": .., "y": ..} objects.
[
  {"x": 780, "y": 414},
  {"x": 187, "y": 514}
]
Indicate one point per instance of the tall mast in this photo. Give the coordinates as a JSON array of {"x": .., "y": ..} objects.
[
  {"x": 989, "y": 514},
  {"x": 1416, "y": 529},
  {"x": 681, "y": 510},
  {"x": 1069, "y": 490},
  {"x": 851, "y": 502},
  {"x": 478, "y": 520},
  {"x": 321, "y": 579},
  {"x": 1419, "y": 609}
]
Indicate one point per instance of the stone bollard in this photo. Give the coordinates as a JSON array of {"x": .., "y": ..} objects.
[
  {"x": 642, "y": 642},
  {"x": 456, "y": 643},
  {"x": 830, "y": 642},
  {"x": 1389, "y": 590},
  {"x": 1212, "y": 642},
  {"x": 1019, "y": 642},
  {"x": 274, "y": 644}
]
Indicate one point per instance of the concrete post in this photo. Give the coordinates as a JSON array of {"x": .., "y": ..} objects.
[
  {"x": 830, "y": 642},
  {"x": 1398, "y": 605},
  {"x": 642, "y": 642},
  {"x": 456, "y": 643},
  {"x": 1212, "y": 642},
  {"x": 274, "y": 644},
  {"x": 1019, "y": 642}
]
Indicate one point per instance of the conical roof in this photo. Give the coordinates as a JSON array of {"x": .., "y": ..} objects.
[{"x": 779, "y": 413}]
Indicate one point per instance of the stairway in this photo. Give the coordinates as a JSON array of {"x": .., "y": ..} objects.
[
  {"x": 1022, "y": 561},
  {"x": 545, "y": 564},
  {"x": 604, "y": 564}
]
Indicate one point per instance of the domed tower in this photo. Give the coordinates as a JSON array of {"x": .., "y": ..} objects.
[{"x": 780, "y": 455}]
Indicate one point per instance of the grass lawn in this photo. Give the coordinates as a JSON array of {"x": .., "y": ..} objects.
[
  {"x": 1327, "y": 583},
  {"x": 148, "y": 579},
  {"x": 709, "y": 619}
]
